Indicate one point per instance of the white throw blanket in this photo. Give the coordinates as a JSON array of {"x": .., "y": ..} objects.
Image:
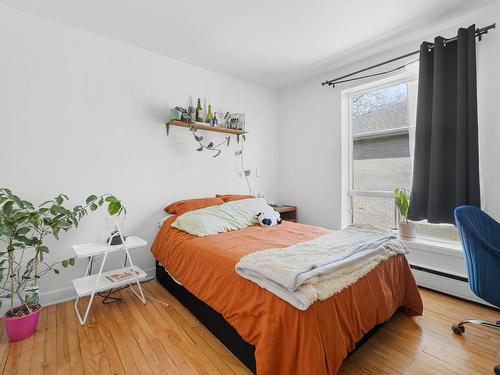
[{"x": 305, "y": 272}]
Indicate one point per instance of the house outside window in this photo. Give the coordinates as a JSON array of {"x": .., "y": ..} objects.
[{"x": 378, "y": 147}]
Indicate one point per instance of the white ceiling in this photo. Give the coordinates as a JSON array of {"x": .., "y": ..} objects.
[{"x": 274, "y": 43}]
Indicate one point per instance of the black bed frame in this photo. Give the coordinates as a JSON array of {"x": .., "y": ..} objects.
[{"x": 216, "y": 323}]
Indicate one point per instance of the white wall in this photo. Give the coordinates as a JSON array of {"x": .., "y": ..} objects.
[
  {"x": 83, "y": 114},
  {"x": 310, "y": 144}
]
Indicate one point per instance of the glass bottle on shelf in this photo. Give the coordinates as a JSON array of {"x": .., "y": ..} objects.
[
  {"x": 199, "y": 112},
  {"x": 210, "y": 116}
]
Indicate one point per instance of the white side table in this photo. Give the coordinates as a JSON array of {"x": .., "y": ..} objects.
[{"x": 91, "y": 284}]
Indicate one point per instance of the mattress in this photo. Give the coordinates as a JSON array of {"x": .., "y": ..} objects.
[{"x": 286, "y": 340}]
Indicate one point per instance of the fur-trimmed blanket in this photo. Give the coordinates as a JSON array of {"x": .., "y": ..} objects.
[{"x": 305, "y": 272}]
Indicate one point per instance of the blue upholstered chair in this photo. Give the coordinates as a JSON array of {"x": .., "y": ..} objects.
[{"x": 480, "y": 236}]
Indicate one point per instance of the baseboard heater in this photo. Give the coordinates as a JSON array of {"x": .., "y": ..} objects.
[
  {"x": 447, "y": 283},
  {"x": 439, "y": 273}
]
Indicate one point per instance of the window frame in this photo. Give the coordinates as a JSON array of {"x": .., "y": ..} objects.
[
  {"x": 348, "y": 143},
  {"x": 347, "y": 155}
]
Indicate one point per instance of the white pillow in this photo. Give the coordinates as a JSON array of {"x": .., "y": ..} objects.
[
  {"x": 206, "y": 221},
  {"x": 245, "y": 211},
  {"x": 222, "y": 218}
]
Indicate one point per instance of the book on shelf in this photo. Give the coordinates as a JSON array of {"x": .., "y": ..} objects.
[{"x": 122, "y": 276}]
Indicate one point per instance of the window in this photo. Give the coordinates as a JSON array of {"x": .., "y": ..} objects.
[{"x": 378, "y": 137}]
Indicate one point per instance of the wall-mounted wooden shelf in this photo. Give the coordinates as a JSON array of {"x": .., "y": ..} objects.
[{"x": 204, "y": 126}]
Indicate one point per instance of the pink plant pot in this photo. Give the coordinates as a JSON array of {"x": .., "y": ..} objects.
[{"x": 22, "y": 327}]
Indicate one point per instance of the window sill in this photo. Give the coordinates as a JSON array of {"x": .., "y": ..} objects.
[
  {"x": 446, "y": 248},
  {"x": 442, "y": 247}
]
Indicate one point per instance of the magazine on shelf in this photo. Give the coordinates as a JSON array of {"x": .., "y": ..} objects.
[{"x": 122, "y": 276}]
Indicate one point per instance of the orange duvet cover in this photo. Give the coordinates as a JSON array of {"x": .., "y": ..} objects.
[{"x": 286, "y": 340}]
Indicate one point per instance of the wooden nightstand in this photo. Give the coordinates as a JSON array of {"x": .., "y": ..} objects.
[{"x": 287, "y": 213}]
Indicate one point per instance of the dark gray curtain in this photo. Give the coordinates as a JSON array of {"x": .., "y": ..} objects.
[{"x": 446, "y": 161}]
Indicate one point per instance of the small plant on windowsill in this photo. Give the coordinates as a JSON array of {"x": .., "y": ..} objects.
[
  {"x": 23, "y": 231},
  {"x": 407, "y": 230}
]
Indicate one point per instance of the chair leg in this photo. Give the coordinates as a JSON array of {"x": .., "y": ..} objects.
[
  {"x": 459, "y": 328},
  {"x": 497, "y": 370}
]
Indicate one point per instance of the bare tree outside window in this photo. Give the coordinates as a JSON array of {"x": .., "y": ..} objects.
[{"x": 365, "y": 103}]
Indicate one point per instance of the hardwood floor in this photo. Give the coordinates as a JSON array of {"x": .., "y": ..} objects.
[
  {"x": 426, "y": 344},
  {"x": 131, "y": 338}
]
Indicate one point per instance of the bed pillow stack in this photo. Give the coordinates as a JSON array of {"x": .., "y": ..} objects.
[
  {"x": 245, "y": 211},
  {"x": 233, "y": 197},
  {"x": 205, "y": 222},
  {"x": 222, "y": 218},
  {"x": 181, "y": 207}
]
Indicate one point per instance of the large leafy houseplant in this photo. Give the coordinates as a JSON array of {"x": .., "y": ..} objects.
[{"x": 24, "y": 228}]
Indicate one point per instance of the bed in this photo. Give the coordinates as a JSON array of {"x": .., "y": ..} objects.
[{"x": 269, "y": 335}]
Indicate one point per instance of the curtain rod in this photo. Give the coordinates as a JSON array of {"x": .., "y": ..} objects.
[{"x": 333, "y": 82}]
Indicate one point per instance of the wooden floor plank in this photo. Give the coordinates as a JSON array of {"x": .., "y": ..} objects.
[
  {"x": 62, "y": 348},
  {"x": 149, "y": 333},
  {"x": 75, "y": 354},
  {"x": 141, "y": 341},
  {"x": 50, "y": 365},
  {"x": 26, "y": 348},
  {"x": 109, "y": 348},
  {"x": 167, "y": 337},
  {"x": 100, "y": 360},
  {"x": 426, "y": 344},
  {"x": 193, "y": 360},
  {"x": 4, "y": 346},
  {"x": 197, "y": 359},
  {"x": 123, "y": 325},
  {"x": 11, "y": 365},
  {"x": 110, "y": 327},
  {"x": 236, "y": 366},
  {"x": 38, "y": 354},
  {"x": 132, "y": 338}
]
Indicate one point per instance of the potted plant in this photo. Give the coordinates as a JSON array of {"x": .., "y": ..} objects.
[
  {"x": 182, "y": 114},
  {"x": 407, "y": 230},
  {"x": 23, "y": 230},
  {"x": 176, "y": 113}
]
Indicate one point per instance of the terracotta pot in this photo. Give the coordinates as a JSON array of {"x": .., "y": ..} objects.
[
  {"x": 407, "y": 231},
  {"x": 22, "y": 327}
]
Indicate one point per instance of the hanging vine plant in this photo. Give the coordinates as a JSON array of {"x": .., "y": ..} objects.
[
  {"x": 246, "y": 172},
  {"x": 216, "y": 149}
]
